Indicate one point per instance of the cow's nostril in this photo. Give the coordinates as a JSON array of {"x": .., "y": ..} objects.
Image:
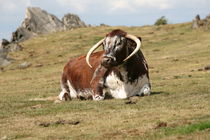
[{"x": 108, "y": 60}]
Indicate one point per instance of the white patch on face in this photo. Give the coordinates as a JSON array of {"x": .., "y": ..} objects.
[
  {"x": 110, "y": 40},
  {"x": 124, "y": 89}
]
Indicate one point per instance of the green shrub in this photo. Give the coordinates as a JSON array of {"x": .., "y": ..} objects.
[{"x": 161, "y": 21}]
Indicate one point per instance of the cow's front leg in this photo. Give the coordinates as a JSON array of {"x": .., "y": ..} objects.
[
  {"x": 98, "y": 92},
  {"x": 97, "y": 83},
  {"x": 97, "y": 97},
  {"x": 64, "y": 96}
]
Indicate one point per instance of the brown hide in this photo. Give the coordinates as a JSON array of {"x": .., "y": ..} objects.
[{"x": 79, "y": 73}]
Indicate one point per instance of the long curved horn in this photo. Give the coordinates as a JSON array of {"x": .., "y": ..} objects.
[
  {"x": 138, "y": 45},
  {"x": 92, "y": 50}
]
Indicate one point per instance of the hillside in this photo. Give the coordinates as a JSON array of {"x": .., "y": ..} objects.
[{"x": 179, "y": 107}]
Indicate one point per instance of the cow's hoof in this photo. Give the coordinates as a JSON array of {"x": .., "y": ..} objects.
[
  {"x": 64, "y": 96},
  {"x": 145, "y": 90},
  {"x": 98, "y": 98}
]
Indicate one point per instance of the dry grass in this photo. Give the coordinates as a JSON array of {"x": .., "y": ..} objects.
[{"x": 180, "y": 99}]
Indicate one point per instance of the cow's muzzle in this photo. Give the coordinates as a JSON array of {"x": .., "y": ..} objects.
[{"x": 108, "y": 61}]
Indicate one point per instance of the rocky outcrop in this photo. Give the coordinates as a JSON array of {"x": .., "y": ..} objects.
[
  {"x": 5, "y": 48},
  {"x": 38, "y": 21},
  {"x": 208, "y": 17},
  {"x": 198, "y": 22},
  {"x": 72, "y": 21},
  {"x": 22, "y": 34}
]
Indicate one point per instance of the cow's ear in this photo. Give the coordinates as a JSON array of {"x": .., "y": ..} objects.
[{"x": 139, "y": 38}]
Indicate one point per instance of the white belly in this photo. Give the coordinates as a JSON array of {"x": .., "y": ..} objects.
[{"x": 123, "y": 89}]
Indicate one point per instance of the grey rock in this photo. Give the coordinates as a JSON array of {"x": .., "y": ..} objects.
[
  {"x": 4, "y": 42},
  {"x": 71, "y": 21},
  {"x": 39, "y": 21},
  {"x": 5, "y": 48},
  {"x": 24, "y": 65},
  {"x": 14, "y": 47},
  {"x": 198, "y": 22},
  {"x": 195, "y": 24},
  {"x": 208, "y": 16},
  {"x": 4, "y": 62},
  {"x": 21, "y": 34}
]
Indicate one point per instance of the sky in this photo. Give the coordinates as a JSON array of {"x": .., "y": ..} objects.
[{"x": 111, "y": 12}]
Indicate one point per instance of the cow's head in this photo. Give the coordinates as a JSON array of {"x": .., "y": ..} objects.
[{"x": 115, "y": 48}]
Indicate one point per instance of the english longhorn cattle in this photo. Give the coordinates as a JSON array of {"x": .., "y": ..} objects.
[{"x": 120, "y": 70}]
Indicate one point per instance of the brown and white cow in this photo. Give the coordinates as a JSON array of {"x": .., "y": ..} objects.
[{"x": 120, "y": 70}]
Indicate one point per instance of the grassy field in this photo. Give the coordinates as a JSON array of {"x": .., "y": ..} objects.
[{"x": 179, "y": 107}]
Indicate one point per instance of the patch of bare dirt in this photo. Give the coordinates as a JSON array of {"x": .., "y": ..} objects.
[
  {"x": 161, "y": 125},
  {"x": 36, "y": 106},
  {"x": 58, "y": 122}
]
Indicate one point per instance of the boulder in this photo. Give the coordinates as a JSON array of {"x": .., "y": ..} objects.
[
  {"x": 21, "y": 34},
  {"x": 14, "y": 47},
  {"x": 4, "y": 62},
  {"x": 4, "y": 42},
  {"x": 198, "y": 22},
  {"x": 24, "y": 65},
  {"x": 5, "y": 48},
  {"x": 37, "y": 21},
  {"x": 71, "y": 21},
  {"x": 208, "y": 16}
]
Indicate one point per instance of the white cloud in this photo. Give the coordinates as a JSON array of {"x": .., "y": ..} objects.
[
  {"x": 136, "y": 5},
  {"x": 78, "y": 5},
  {"x": 157, "y": 4},
  {"x": 7, "y": 5},
  {"x": 114, "y": 5},
  {"x": 119, "y": 5},
  {"x": 13, "y": 5},
  {"x": 128, "y": 5}
]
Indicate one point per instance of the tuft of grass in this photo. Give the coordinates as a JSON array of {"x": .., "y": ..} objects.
[{"x": 183, "y": 130}]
